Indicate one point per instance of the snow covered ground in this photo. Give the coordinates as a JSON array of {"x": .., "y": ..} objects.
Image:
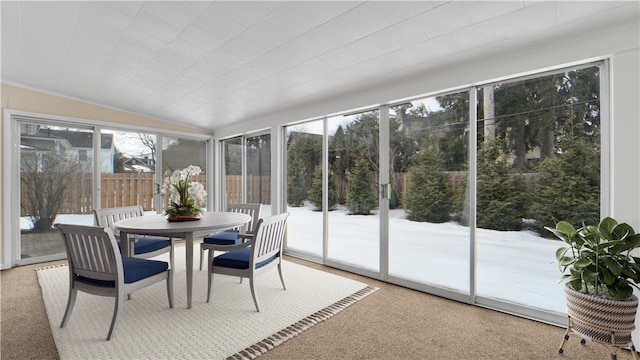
[{"x": 514, "y": 266}]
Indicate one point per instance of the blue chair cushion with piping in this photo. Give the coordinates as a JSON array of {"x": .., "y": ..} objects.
[
  {"x": 223, "y": 238},
  {"x": 144, "y": 245},
  {"x": 135, "y": 269},
  {"x": 148, "y": 244},
  {"x": 239, "y": 259}
]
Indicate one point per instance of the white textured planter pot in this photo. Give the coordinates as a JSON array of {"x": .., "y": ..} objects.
[{"x": 603, "y": 320}]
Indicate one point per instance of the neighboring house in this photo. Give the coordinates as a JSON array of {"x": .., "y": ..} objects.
[
  {"x": 76, "y": 145},
  {"x": 135, "y": 164},
  {"x": 413, "y": 123}
]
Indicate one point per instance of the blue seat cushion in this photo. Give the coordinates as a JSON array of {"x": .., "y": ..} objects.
[
  {"x": 239, "y": 259},
  {"x": 144, "y": 245},
  {"x": 147, "y": 244},
  {"x": 223, "y": 238},
  {"x": 135, "y": 269}
]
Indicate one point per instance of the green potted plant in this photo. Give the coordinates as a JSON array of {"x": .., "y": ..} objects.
[{"x": 600, "y": 272}]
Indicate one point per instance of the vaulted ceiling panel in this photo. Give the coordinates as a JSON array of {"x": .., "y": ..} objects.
[{"x": 211, "y": 64}]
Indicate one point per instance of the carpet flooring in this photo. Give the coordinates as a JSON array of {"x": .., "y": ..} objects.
[
  {"x": 228, "y": 326},
  {"x": 392, "y": 323}
]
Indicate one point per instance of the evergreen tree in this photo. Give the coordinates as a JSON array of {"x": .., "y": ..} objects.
[
  {"x": 501, "y": 194},
  {"x": 315, "y": 193},
  {"x": 361, "y": 198},
  {"x": 118, "y": 161},
  {"x": 429, "y": 195},
  {"x": 568, "y": 187},
  {"x": 296, "y": 191},
  {"x": 308, "y": 150}
]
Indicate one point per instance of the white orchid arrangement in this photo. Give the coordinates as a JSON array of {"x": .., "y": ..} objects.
[{"x": 185, "y": 197}]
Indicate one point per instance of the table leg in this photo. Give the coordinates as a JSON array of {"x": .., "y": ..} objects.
[
  {"x": 125, "y": 249},
  {"x": 189, "y": 249}
]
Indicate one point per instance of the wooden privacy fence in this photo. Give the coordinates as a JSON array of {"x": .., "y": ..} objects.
[{"x": 124, "y": 189}]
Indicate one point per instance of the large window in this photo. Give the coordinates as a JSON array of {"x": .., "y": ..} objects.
[
  {"x": 304, "y": 162},
  {"x": 66, "y": 168},
  {"x": 354, "y": 166},
  {"x": 474, "y": 177},
  {"x": 128, "y": 170},
  {"x": 258, "y": 179},
  {"x": 428, "y": 217},
  {"x": 247, "y": 170},
  {"x": 232, "y": 171},
  {"x": 55, "y": 185},
  {"x": 179, "y": 153},
  {"x": 538, "y": 162}
]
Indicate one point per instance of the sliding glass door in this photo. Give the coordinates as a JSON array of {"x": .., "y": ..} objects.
[
  {"x": 429, "y": 236},
  {"x": 258, "y": 178},
  {"x": 56, "y": 167},
  {"x": 179, "y": 153},
  {"x": 539, "y": 161},
  {"x": 352, "y": 179},
  {"x": 247, "y": 171},
  {"x": 128, "y": 170},
  {"x": 473, "y": 181},
  {"x": 303, "y": 159},
  {"x": 232, "y": 171}
]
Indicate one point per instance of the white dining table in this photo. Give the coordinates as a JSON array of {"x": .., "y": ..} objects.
[{"x": 158, "y": 225}]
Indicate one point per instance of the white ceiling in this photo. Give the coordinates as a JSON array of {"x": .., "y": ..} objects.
[{"x": 212, "y": 64}]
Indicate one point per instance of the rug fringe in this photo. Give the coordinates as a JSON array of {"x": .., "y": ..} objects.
[
  {"x": 52, "y": 267},
  {"x": 300, "y": 326}
]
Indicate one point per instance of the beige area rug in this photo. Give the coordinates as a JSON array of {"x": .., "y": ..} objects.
[{"x": 228, "y": 327}]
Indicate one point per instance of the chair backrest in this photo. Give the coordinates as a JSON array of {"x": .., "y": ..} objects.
[
  {"x": 269, "y": 237},
  {"x": 92, "y": 252},
  {"x": 250, "y": 209},
  {"x": 107, "y": 217}
]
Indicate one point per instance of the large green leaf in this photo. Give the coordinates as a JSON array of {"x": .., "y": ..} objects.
[
  {"x": 576, "y": 284},
  {"x": 607, "y": 276},
  {"x": 566, "y": 228},
  {"x": 612, "y": 265},
  {"x": 565, "y": 261},
  {"x": 621, "y": 231},
  {"x": 589, "y": 277},
  {"x": 633, "y": 241},
  {"x": 621, "y": 290},
  {"x": 560, "y": 253},
  {"x": 582, "y": 263},
  {"x": 606, "y": 227},
  {"x": 563, "y": 231}
]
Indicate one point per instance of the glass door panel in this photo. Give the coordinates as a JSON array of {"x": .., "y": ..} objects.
[
  {"x": 128, "y": 175},
  {"x": 56, "y": 165},
  {"x": 533, "y": 135},
  {"x": 232, "y": 170},
  {"x": 353, "y": 217},
  {"x": 304, "y": 156},
  {"x": 428, "y": 217},
  {"x": 179, "y": 153},
  {"x": 258, "y": 179}
]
